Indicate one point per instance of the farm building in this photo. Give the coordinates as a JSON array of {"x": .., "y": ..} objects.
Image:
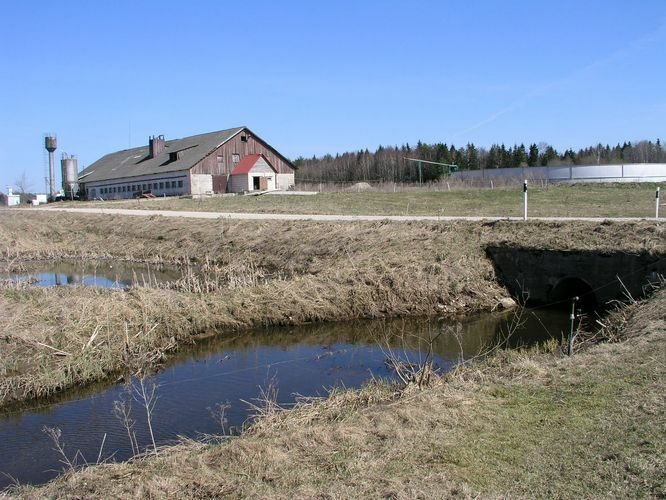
[
  {"x": 229, "y": 161},
  {"x": 13, "y": 200}
]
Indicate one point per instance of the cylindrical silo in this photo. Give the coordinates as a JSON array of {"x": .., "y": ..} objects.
[{"x": 70, "y": 175}]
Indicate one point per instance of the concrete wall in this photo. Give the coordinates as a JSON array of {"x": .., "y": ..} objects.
[
  {"x": 540, "y": 272},
  {"x": 201, "y": 184},
  {"x": 633, "y": 172},
  {"x": 285, "y": 181}
]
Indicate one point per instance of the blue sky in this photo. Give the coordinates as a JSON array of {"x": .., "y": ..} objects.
[{"x": 324, "y": 77}]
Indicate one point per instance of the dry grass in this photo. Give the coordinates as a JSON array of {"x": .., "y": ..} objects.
[
  {"x": 271, "y": 273},
  {"x": 522, "y": 424}
]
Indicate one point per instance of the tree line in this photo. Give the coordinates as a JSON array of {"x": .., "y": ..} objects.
[{"x": 389, "y": 163}]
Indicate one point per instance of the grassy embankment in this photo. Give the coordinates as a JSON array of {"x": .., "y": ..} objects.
[
  {"x": 579, "y": 200},
  {"x": 265, "y": 273},
  {"x": 523, "y": 424}
]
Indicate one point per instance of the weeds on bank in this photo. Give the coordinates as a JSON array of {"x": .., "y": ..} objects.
[
  {"x": 410, "y": 355},
  {"x": 265, "y": 406},
  {"x": 413, "y": 360},
  {"x": 611, "y": 327},
  {"x": 142, "y": 391},
  {"x": 78, "y": 461},
  {"x": 212, "y": 277},
  {"x": 219, "y": 414}
]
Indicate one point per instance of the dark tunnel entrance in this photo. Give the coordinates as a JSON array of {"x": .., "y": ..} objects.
[
  {"x": 567, "y": 288},
  {"x": 552, "y": 276}
]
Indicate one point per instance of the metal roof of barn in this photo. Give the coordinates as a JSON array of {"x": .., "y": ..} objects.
[{"x": 136, "y": 161}]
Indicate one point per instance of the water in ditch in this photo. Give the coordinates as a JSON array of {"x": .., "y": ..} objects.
[
  {"x": 102, "y": 274},
  {"x": 229, "y": 368}
]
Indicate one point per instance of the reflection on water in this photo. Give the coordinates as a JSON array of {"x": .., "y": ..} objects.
[
  {"x": 113, "y": 274},
  {"x": 306, "y": 360}
]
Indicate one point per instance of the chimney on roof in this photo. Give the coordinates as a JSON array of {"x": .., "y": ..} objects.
[{"x": 156, "y": 145}]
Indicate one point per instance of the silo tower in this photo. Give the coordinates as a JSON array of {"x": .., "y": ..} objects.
[
  {"x": 51, "y": 144},
  {"x": 70, "y": 175}
]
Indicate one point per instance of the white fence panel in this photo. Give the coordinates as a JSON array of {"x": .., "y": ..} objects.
[{"x": 631, "y": 172}]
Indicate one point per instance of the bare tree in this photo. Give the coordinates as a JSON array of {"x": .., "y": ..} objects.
[{"x": 23, "y": 184}]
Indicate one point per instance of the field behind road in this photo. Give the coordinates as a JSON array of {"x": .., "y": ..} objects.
[{"x": 578, "y": 200}]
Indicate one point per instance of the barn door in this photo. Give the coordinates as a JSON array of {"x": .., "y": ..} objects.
[
  {"x": 219, "y": 183},
  {"x": 263, "y": 184}
]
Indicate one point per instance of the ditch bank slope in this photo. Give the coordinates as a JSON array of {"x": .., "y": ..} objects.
[{"x": 276, "y": 273}]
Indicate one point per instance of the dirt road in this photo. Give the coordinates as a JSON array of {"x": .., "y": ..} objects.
[{"x": 313, "y": 217}]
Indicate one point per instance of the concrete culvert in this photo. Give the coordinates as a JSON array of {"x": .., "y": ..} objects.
[{"x": 568, "y": 288}]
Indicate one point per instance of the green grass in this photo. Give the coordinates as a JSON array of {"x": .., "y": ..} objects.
[
  {"x": 575, "y": 438},
  {"x": 584, "y": 200}
]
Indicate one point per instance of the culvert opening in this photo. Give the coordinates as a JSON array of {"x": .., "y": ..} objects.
[
  {"x": 567, "y": 288},
  {"x": 598, "y": 277}
]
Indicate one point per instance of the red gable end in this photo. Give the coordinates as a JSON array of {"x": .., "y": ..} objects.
[{"x": 245, "y": 165}]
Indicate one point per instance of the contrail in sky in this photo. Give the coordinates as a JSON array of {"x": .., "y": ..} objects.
[{"x": 543, "y": 89}]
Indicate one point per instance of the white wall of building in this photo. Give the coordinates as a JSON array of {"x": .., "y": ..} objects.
[
  {"x": 183, "y": 183},
  {"x": 12, "y": 199},
  {"x": 172, "y": 184},
  {"x": 201, "y": 184},
  {"x": 245, "y": 182}
]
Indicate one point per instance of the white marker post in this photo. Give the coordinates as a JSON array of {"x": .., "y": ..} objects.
[
  {"x": 525, "y": 200},
  {"x": 656, "y": 210}
]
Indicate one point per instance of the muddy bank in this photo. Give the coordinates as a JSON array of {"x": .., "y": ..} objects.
[
  {"x": 524, "y": 423},
  {"x": 57, "y": 338}
]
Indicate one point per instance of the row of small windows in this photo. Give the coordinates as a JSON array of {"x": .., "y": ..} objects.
[{"x": 133, "y": 188}]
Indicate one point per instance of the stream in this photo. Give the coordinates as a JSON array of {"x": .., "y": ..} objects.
[{"x": 227, "y": 369}]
